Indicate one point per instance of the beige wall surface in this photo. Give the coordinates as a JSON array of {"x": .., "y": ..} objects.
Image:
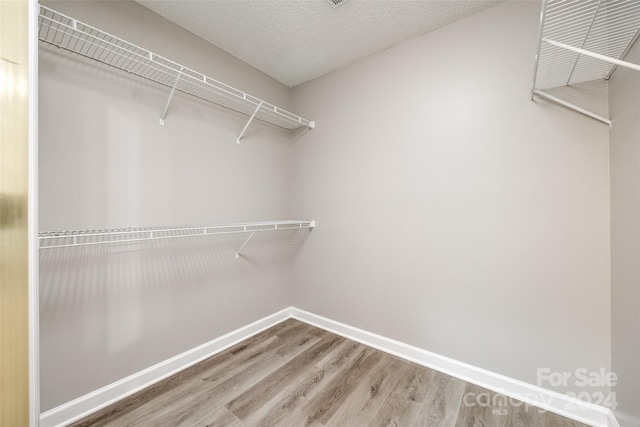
[
  {"x": 110, "y": 311},
  {"x": 624, "y": 105},
  {"x": 455, "y": 214}
]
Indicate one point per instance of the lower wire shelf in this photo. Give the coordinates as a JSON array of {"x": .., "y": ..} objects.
[{"x": 71, "y": 238}]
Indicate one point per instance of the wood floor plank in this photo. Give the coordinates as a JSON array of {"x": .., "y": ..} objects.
[
  {"x": 362, "y": 406},
  {"x": 327, "y": 403},
  {"x": 275, "y": 412},
  {"x": 273, "y": 415},
  {"x": 404, "y": 405},
  {"x": 523, "y": 415},
  {"x": 196, "y": 405},
  {"x": 219, "y": 417},
  {"x": 168, "y": 385},
  {"x": 549, "y": 419},
  {"x": 394, "y": 410},
  {"x": 442, "y": 401},
  {"x": 243, "y": 405},
  {"x": 192, "y": 399},
  {"x": 415, "y": 383},
  {"x": 336, "y": 360},
  {"x": 500, "y": 410},
  {"x": 297, "y": 418},
  {"x": 481, "y": 408},
  {"x": 295, "y": 374}
]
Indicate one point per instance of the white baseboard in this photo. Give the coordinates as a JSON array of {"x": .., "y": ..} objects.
[
  {"x": 566, "y": 406},
  {"x": 89, "y": 403},
  {"x": 624, "y": 419},
  {"x": 578, "y": 410},
  {"x": 613, "y": 422}
]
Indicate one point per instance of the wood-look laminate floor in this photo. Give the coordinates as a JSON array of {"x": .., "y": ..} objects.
[{"x": 294, "y": 374}]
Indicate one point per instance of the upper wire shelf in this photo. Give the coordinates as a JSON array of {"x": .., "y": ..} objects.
[
  {"x": 71, "y": 238},
  {"x": 75, "y": 36},
  {"x": 581, "y": 44}
]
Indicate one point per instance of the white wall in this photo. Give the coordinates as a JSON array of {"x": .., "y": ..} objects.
[
  {"x": 453, "y": 213},
  {"x": 110, "y": 311},
  {"x": 624, "y": 88}
]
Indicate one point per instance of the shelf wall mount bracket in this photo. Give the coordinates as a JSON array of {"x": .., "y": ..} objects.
[
  {"x": 173, "y": 91},
  {"x": 242, "y": 133},
  {"x": 244, "y": 244}
]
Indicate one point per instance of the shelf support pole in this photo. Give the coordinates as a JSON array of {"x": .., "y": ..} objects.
[
  {"x": 537, "y": 58},
  {"x": 173, "y": 90},
  {"x": 572, "y": 106},
  {"x": 244, "y": 244},
  {"x": 593, "y": 54},
  {"x": 245, "y": 129}
]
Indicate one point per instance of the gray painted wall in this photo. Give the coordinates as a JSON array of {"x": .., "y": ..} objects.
[
  {"x": 624, "y": 104},
  {"x": 110, "y": 311},
  {"x": 453, "y": 213}
]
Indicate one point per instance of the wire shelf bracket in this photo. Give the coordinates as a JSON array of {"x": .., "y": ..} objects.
[
  {"x": 580, "y": 45},
  {"x": 67, "y": 33},
  {"x": 173, "y": 90},
  {"x": 248, "y": 123},
  {"x": 244, "y": 244}
]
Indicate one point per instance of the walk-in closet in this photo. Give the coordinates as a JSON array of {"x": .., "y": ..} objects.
[{"x": 320, "y": 212}]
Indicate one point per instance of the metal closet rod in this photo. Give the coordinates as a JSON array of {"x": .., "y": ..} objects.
[
  {"x": 73, "y": 238},
  {"x": 592, "y": 55}
]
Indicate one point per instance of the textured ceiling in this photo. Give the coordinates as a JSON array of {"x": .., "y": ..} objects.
[{"x": 295, "y": 41}]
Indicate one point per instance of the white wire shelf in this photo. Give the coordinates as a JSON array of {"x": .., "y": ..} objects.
[
  {"x": 70, "y": 34},
  {"x": 581, "y": 44},
  {"x": 73, "y": 238}
]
